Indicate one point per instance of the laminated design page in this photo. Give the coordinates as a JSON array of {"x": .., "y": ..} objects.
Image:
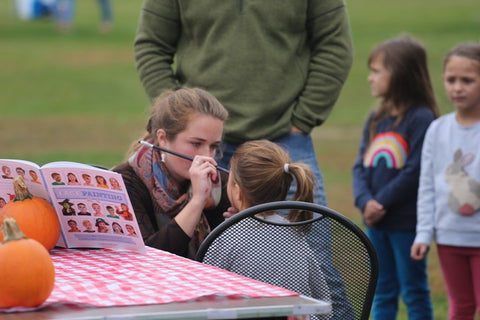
[{"x": 93, "y": 207}]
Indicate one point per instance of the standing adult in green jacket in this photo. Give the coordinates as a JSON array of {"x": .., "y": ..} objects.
[{"x": 277, "y": 66}]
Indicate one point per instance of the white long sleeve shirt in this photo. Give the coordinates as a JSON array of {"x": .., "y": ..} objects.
[{"x": 448, "y": 207}]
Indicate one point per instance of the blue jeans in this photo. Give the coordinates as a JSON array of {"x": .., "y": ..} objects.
[
  {"x": 300, "y": 148},
  {"x": 65, "y": 11},
  {"x": 105, "y": 10},
  {"x": 399, "y": 275}
]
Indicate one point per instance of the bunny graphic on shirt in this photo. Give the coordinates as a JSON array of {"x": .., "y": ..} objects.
[{"x": 464, "y": 194}]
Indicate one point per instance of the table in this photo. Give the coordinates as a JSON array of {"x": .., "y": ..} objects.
[
  {"x": 101, "y": 284},
  {"x": 227, "y": 309}
]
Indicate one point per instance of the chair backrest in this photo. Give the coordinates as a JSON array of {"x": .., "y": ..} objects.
[{"x": 325, "y": 257}]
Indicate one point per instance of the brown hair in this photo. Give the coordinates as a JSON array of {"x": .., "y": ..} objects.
[
  {"x": 173, "y": 110},
  {"x": 410, "y": 85},
  {"x": 258, "y": 167},
  {"x": 470, "y": 50}
]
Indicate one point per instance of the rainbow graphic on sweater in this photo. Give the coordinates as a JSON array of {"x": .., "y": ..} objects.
[{"x": 389, "y": 146}]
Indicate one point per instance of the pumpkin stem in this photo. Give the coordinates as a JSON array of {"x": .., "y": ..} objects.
[
  {"x": 11, "y": 231},
  {"x": 21, "y": 190}
]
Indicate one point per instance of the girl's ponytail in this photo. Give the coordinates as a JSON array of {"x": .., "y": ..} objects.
[
  {"x": 305, "y": 181},
  {"x": 264, "y": 173}
]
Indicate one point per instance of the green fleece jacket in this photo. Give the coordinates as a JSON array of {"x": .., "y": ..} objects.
[{"x": 272, "y": 64}]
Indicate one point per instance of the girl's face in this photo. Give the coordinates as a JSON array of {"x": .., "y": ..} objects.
[
  {"x": 202, "y": 136},
  {"x": 462, "y": 84},
  {"x": 379, "y": 77},
  {"x": 234, "y": 193}
]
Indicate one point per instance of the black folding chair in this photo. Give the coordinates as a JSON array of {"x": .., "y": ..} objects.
[{"x": 324, "y": 256}]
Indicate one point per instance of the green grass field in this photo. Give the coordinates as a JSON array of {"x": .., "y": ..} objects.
[{"x": 77, "y": 97}]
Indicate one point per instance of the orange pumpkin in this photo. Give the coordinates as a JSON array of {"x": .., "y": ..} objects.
[
  {"x": 27, "y": 274},
  {"x": 35, "y": 216}
]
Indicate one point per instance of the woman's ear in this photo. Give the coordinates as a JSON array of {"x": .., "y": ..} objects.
[{"x": 161, "y": 137}]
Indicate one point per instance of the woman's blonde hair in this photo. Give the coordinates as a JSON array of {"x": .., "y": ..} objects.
[
  {"x": 173, "y": 110},
  {"x": 264, "y": 173}
]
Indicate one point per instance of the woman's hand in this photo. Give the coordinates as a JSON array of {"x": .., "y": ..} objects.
[
  {"x": 203, "y": 176},
  {"x": 231, "y": 211}
]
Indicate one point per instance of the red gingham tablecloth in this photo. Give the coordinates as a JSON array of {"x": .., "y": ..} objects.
[{"x": 102, "y": 278}]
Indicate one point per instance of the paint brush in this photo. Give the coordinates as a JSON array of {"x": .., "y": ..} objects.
[{"x": 176, "y": 153}]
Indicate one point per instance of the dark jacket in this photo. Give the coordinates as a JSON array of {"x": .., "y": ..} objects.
[{"x": 166, "y": 235}]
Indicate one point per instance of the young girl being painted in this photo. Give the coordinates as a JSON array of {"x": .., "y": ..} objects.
[
  {"x": 387, "y": 169},
  {"x": 260, "y": 172},
  {"x": 449, "y": 193}
]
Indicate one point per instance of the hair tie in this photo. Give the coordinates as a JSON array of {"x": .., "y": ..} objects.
[{"x": 285, "y": 168}]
